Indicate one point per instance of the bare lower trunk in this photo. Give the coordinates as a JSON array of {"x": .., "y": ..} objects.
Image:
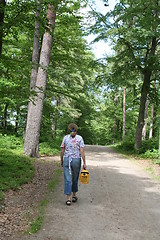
[
  {"x": 144, "y": 92},
  {"x": 124, "y": 112},
  {"x": 152, "y": 113},
  {"x": 5, "y": 117},
  {"x": 159, "y": 142},
  {"x": 17, "y": 119},
  {"x": 35, "y": 110},
  {"x": 140, "y": 123},
  {"x": 145, "y": 121},
  {"x": 151, "y": 124}
]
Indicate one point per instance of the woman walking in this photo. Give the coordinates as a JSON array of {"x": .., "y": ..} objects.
[{"x": 72, "y": 150}]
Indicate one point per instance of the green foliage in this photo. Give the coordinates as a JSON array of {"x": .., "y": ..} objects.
[
  {"x": 49, "y": 148},
  {"x": 151, "y": 154},
  {"x": 150, "y": 144},
  {"x": 8, "y": 142},
  {"x": 36, "y": 224},
  {"x": 125, "y": 147},
  {"x": 55, "y": 180},
  {"x": 15, "y": 170}
]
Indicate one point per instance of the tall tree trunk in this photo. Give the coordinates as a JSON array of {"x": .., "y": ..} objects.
[
  {"x": 35, "y": 54},
  {"x": 152, "y": 113},
  {"x": 124, "y": 112},
  {"x": 151, "y": 124},
  {"x": 54, "y": 126},
  {"x": 144, "y": 130},
  {"x": 114, "y": 117},
  {"x": 35, "y": 111},
  {"x": 159, "y": 142},
  {"x": 17, "y": 119},
  {"x": 5, "y": 117},
  {"x": 2, "y": 8},
  {"x": 144, "y": 93}
]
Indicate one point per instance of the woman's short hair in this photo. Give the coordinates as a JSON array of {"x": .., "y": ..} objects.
[{"x": 72, "y": 126}]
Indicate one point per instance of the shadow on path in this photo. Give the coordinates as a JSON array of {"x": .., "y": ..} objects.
[{"x": 121, "y": 202}]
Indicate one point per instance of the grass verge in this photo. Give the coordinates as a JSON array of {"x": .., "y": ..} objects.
[
  {"x": 15, "y": 170},
  {"x": 35, "y": 226},
  {"x": 152, "y": 162}
]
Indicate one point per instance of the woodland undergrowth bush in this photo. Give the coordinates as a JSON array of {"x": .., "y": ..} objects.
[
  {"x": 11, "y": 142},
  {"x": 148, "y": 150},
  {"x": 49, "y": 145},
  {"x": 149, "y": 144},
  {"x": 15, "y": 168}
]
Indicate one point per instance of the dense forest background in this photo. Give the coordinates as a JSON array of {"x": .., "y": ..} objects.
[{"x": 112, "y": 100}]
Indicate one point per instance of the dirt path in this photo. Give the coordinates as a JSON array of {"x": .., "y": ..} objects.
[{"x": 121, "y": 202}]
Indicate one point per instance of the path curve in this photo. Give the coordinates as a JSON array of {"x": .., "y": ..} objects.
[{"x": 121, "y": 202}]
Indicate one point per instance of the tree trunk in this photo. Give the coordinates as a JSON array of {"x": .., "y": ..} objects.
[
  {"x": 54, "y": 126},
  {"x": 35, "y": 54},
  {"x": 159, "y": 142},
  {"x": 152, "y": 113},
  {"x": 2, "y": 8},
  {"x": 151, "y": 124},
  {"x": 145, "y": 120},
  {"x": 114, "y": 117},
  {"x": 124, "y": 112},
  {"x": 35, "y": 110},
  {"x": 17, "y": 119},
  {"x": 5, "y": 118},
  {"x": 144, "y": 93}
]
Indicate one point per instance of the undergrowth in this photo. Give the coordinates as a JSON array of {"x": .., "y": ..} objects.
[
  {"x": 15, "y": 168},
  {"x": 148, "y": 150},
  {"x": 35, "y": 226}
]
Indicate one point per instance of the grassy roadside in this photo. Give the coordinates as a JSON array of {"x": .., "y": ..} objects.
[
  {"x": 15, "y": 168},
  {"x": 148, "y": 160},
  {"x": 36, "y": 224}
]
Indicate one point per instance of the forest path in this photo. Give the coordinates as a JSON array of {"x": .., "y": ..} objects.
[{"x": 121, "y": 202}]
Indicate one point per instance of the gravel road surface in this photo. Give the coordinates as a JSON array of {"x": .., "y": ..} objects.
[{"x": 121, "y": 202}]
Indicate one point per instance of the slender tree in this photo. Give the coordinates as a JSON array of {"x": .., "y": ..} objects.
[
  {"x": 35, "y": 53},
  {"x": 152, "y": 113},
  {"x": 145, "y": 120},
  {"x": 124, "y": 111},
  {"x": 35, "y": 111}
]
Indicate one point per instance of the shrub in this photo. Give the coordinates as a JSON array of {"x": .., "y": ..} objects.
[
  {"x": 152, "y": 154},
  {"x": 149, "y": 144}
]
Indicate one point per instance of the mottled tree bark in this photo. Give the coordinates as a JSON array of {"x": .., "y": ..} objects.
[
  {"x": 35, "y": 54},
  {"x": 144, "y": 130},
  {"x": 147, "y": 72},
  {"x": 152, "y": 113},
  {"x": 5, "y": 117},
  {"x": 124, "y": 111},
  {"x": 144, "y": 93},
  {"x": 151, "y": 123},
  {"x": 35, "y": 111}
]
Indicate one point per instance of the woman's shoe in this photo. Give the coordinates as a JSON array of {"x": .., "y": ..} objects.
[
  {"x": 68, "y": 202},
  {"x": 74, "y": 199}
]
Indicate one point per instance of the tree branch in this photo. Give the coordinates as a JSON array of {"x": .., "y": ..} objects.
[{"x": 128, "y": 45}]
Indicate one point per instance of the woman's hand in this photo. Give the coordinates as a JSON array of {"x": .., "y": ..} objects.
[
  {"x": 84, "y": 166},
  {"x": 61, "y": 163}
]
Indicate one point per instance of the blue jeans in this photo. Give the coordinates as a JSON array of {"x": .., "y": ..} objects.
[{"x": 71, "y": 177}]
